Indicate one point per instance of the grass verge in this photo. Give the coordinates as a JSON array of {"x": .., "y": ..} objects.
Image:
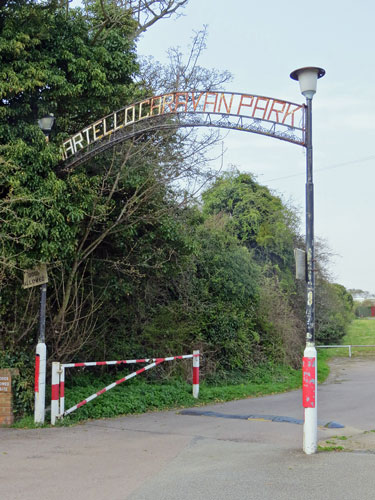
[{"x": 330, "y": 448}]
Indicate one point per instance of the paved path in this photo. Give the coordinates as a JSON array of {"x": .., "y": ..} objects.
[{"x": 167, "y": 455}]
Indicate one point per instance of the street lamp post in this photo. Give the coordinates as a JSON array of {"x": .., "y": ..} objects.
[
  {"x": 45, "y": 124},
  {"x": 308, "y": 78}
]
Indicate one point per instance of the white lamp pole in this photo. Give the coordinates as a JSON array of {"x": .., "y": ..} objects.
[
  {"x": 308, "y": 78},
  {"x": 45, "y": 124}
]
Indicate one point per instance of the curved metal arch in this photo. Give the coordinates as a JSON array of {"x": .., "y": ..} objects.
[{"x": 275, "y": 118}]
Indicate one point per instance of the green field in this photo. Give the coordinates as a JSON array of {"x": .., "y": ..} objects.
[{"x": 360, "y": 332}]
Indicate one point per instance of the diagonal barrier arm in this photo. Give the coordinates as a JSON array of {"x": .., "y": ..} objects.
[
  {"x": 58, "y": 380},
  {"x": 111, "y": 386}
]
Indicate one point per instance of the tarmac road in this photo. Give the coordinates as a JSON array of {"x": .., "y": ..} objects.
[{"x": 169, "y": 455}]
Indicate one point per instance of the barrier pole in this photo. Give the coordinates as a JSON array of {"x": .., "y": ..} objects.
[
  {"x": 40, "y": 382},
  {"x": 55, "y": 391},
  {"x": 196, "y": 374},
  {"x": 62, "y": 389}
]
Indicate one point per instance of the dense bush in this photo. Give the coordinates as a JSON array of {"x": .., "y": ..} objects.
[{"x": 334, "y": 312}]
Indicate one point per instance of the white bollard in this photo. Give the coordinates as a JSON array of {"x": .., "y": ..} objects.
[
  {"x": 40, "y": 383},
  {"x": 196, "y": 374},
  {"x": 55, "y": 392},
  {"x": 310, "y": 396}
]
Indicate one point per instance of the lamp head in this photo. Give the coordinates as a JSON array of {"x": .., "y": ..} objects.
[
  {"x": 307, "y": 78},
  {"x": 46, "y": 123}
]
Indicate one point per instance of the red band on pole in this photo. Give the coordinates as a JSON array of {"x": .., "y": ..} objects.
[
  {"x": 62, "y": 389},
  {"x": 55, "y": 392},
  {"x": 195, "y": 375},
  {"x": 308, "y": 382},
  {"x": 37, "y": 369}
]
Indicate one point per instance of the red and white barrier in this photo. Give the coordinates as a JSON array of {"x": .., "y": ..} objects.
[
  {"x": 195, "y": 374},
  {"x": 55, "y": 393},
  {"x": 58, "y": 380},
  {"x": 127, "y": 361}
]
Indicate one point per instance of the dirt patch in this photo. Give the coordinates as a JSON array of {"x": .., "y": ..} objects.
[{"x": 337, "y": 367}]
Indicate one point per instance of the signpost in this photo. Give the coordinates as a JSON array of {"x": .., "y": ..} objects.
[
  {"x": 35, "y": 277},
  {"x": 38, "y": 277}
]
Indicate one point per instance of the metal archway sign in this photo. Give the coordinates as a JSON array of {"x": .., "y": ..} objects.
[{"x": 268, "y": 116}]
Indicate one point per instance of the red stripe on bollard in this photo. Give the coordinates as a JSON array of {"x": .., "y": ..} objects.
[
  {"x": 308, "y": 382},
  {"x": 55, "y": 392},
  {"x": 195, "y": 375},
  {"x": 62, "y": 389},
  {"x": 37, "y": 369}
]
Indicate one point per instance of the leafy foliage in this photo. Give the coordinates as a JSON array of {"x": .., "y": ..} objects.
[
  {"x": 49, "y": 64},
  {"x": 260, "y": 220}
]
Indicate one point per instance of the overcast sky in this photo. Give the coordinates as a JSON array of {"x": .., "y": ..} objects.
[{"x": 260, "y": 43}]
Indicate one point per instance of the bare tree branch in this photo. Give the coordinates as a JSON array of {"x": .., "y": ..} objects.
[{"x": 145, "y": 12}]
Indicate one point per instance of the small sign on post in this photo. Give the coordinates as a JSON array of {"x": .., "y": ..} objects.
[
  {"x": 35, "y": 277},
  {"x": 300, "y": 259}
]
